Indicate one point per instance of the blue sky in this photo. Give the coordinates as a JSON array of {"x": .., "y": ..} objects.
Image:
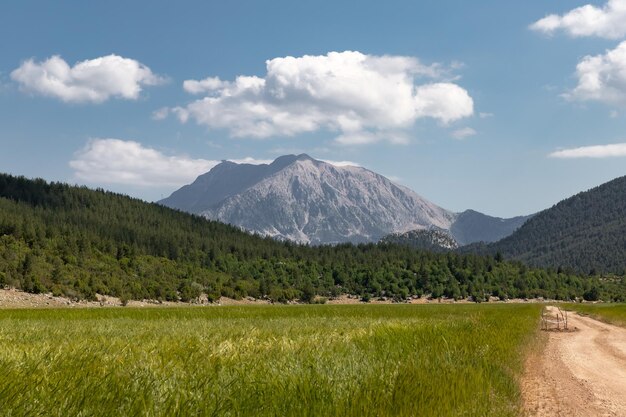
[{"x": 479, "y": 104}]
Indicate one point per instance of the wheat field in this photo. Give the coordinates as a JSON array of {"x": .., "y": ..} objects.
[{"x": 363, "y": 360}]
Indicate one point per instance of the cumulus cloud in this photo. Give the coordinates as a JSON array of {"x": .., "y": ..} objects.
[
  {"x": 608, "y": 21},
  {"x": 602, "y": 77},
  {"x": 361, "y": 97},
  {"x": 341, "y": 163},
  {"x": 90, "y": 81},
  {"x": 597, "y": 151},
  {"x": 116, "y": 161},
  {"x": 443, "y": 101},
  {"x": 463, "y": 133},
  {"x": 207, "y": 85},
  {"x": 126, "y": 162}
]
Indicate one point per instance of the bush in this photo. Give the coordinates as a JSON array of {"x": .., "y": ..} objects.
[
  {"x": 190, "y": 291},
  {"x": 592, "y": 294},
  {"x": 124, "y": 299},
  {"x": 308, "y": 294}
]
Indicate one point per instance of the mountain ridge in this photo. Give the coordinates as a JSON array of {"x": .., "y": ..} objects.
[
  {"x": 472, "y": 226},
  {"x": 310, "y": 201},
  {"x": 585, "y": 232},
  {"x": 299, "y": 198},
  {"x": 233, "y": 177}
]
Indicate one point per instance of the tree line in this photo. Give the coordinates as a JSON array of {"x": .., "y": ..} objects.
[{"x": 78, "y": 242}]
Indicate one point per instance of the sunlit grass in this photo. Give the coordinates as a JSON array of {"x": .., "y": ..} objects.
[
  {"x": 610, "y": 313},
  {"x": 402, "y": 360}
]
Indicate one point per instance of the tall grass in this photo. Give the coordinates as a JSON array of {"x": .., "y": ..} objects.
[
  {"x": 610, "y": 313},
  {"x": 400, "y": 360}
]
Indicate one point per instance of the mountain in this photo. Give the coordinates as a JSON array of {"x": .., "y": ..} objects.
[
  {"x": 471, "y": 226},
  {"x": 224, "y": 180},
  {"x": 586, "y": 232},
  {"x": 305, "y": 200},
  {"x": 434, "y": 240},
  {"x": 78, "y": 242}
]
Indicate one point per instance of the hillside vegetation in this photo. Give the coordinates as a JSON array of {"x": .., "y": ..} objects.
[
  {"x": 77, "y": 242},
  {"x": 586, "y": 233},
  {"x": 434, "y": 240}
]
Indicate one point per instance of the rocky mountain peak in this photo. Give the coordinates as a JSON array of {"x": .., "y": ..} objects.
[{"x": 299, "y": 198}]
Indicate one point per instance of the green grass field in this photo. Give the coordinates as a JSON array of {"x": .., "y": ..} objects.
[
  {"x": 610, "y": 313},
  {"x": 376, "y": 360}
]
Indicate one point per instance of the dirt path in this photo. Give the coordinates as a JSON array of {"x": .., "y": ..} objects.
[{"x": 581, "y": 373}]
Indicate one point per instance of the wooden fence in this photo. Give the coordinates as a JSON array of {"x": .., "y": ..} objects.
[{"x": 553, "y": 322}]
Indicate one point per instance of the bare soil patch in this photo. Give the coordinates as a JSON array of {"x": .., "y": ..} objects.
[
  {"x": 581, "y": 372},
  {"x": 13, "y": 298}
]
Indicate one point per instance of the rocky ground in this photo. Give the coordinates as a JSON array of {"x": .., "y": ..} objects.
[{"x": 12, "y": 298}]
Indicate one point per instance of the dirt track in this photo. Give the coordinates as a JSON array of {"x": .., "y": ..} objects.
[{"x": 580, "y": 373}]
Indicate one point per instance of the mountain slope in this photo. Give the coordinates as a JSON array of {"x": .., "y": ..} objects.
[
  {"x": 435, "y": 240},
  {"x": 224, "y": 180},
  {"x": 586, "y": 232},
  {"x": 471, "y": 226},
  {"x": 305, "y": 200}
]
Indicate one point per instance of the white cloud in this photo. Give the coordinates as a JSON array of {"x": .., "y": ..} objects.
[
  {"x": 161, "y": 113},
  {"x": 597, "y": 151},
  {"x": 608, "y": 21},
  {"x": 443, "y": 101},
  {"x": 602, "y": 77},
  {"x": 207, "y": 85},
  {"x": 91, "y": 81},
  {"x": 116, "y": 161},
  {"x": 341, "y": 163},
  {"x": 250, "y": 160},
  {"x": 357, "y": 95},
  {"x": 463, "y": 133}
]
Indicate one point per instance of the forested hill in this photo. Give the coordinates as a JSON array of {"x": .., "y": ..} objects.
[
  {"x": 586, "y": 232},
  {"x": 78, "y": 242}
]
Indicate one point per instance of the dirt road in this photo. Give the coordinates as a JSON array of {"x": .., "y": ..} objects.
[{"x": 580, "y": 373}]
